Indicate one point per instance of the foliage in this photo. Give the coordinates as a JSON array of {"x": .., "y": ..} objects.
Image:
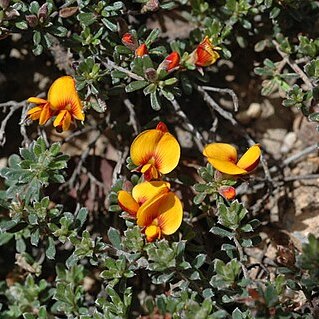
[{"x": 69, "y": 261}]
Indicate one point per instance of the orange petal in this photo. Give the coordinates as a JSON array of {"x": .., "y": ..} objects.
[
  {"x": 148, "y": 190},
  {"x": 150, "y": 210},
  {"x": 250, "y": 159},
  {"x": 226, "y": 167},
  {"x": 63, "y": 96},
  {"x": 66, "y": 121},
  {"x": 152, "y": 232},
  {"x": 171, "y": 214},
  {"x": 127, "y": 203},
  {"x": 45, "y": 114},
  {"x": 36, "y": 100},
  {"x": 141, "y": 50},
  {"x": 167, "y": 153},
  {"x": 59, "y": 119},
  {"x": 221, "y": 152},
  {"x": 34, "y": 113},
  {"x": 143, "y": 146}
]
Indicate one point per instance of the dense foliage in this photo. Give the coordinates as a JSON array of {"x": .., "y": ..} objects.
[{"x": 69, "y": 248}]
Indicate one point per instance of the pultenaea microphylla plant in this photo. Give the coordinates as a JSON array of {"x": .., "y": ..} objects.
[
  {"x": 155, "y": 152},
  {"x": 63, "y": 102}
]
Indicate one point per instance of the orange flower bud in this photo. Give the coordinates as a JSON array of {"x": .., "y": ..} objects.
[
  {"x": 141, "y": 50},
  {"x": 228, "y": 192},
  {"x": 129, "y": 41},
  {"x": 205, "y": 54}
]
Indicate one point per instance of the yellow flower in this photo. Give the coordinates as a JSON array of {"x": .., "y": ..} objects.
[
  {"x": 223, "y": 157},
  {"x": 155, "y": 152},
  {"x": 41, "y": 112},
  {"x": 64, "y": 100},
  {"x": 156, "y": 209}
]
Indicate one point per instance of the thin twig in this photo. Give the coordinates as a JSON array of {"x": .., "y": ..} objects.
[
  {"x": 13, "y": 107},
  {"x": 111, "y": 65},
  {"x": 224, "y": 90},
  {"x": 241, "y": 257},
  {"x": 198, "y": 138},
  {"x": 118, "y": 167},
  {"x": 132, "y": 116},
  {"x": 294, "y": 66}
]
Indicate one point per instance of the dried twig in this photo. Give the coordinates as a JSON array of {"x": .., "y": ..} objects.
[
  {"x": 14, "y": 106},
  {"x": 198, "y": 138},
  {"x": 294, "y": 66},
  {"x": 118, "y": 167},
  {"x": 224, "y": 90},
  {"x": 111, "y": 65},
  {"x": 132, "y": 116}
]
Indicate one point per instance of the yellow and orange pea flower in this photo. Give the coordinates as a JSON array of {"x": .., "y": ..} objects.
[
  {"x": 63, "y": 102},
  {"x": 155, "y": 152},
  {"x": 223, "y": 157},
  {"x": 205, "y": 54},
  {"x": 156, "y": 209}
]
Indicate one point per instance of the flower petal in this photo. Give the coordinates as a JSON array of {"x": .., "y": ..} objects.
[
  {"x": 34, "y": 113},
  {"x": 45, "y": 114},
  {"x": 63, "y": 95},
  {"x": 226, "y": 167},
  {"x": 66, "y": 121},
  {"x": 143, "y": 146},
  {"x": 152, "y": 232},
  {"x": 128, "y": 203},
  {"x": 205, "y": 53},
  {"x": 59, "y": 119},
  {"x": 171, "y": 214},
  {"x": 221, "y": 152},
  {"x": 167, "y": 153},
  {"x": 36, "y": 100},
  {"x": 150, "y": 210},
  {"x": 250, "y": 159},
  {"x": 148, "y": 190}
]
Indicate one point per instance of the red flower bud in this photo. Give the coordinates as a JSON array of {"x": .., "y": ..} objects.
[
  {"x": 171, "y": 62},
  {"x": 228, "y": 192},
  {"x": 162, "y": 127},
  {"x": 141, "y": 50},
  {"x": 129, "y": 41}
]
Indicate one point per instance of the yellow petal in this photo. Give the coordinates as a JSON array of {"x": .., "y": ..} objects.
[
  {"x": 152, "y": 232},
  {"x": 59, "y": 119},
  {"x": 127, "y": 203},
  {"x": 63, "y": 95},
  {"x": 45, "y": 114},
  {"x": 143, "y": 146},
  {"x": 226, "y": 167},
  {"x": 171, "y": 214},
  {"x": 250, "y": 159},
  {"x": 66, "y": 121},
  {"x": 35, "y": 112},
  {"x": 167, "y": 153},
  {"x": 148, "y": 190},
  {"x": 221, "y": 152},
  {"x": 36, "y": 100}
]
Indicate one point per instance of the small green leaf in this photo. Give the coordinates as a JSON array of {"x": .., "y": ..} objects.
[{"x": 136, "y": 85}]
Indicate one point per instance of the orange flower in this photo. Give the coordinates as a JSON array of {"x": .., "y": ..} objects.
[
  {"x": 205, "y": 54},
  {"x": 156, "y": 209},
  {"x": 129, "y": 41},
  {"x": 170, "y": 62},
  {"x": 155, "y": 152},
  {"x": 64, "y": 101},
  {"x": 141, "y": 50},
  {"x": 223, "y": 157},
  {"x": 41, "y": 112}
]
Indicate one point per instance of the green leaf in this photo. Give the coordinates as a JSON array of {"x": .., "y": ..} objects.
[
  {"x": 50, "y": 251},
  {"x": 221, "y": 232},
  {"x": 114, "y": 237},
  {"x": 155, "y": 101},
  {"x": 152, "y": 37},
  {"x": 110, "y": 25},
  {"x": 136, "y": 85}
]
